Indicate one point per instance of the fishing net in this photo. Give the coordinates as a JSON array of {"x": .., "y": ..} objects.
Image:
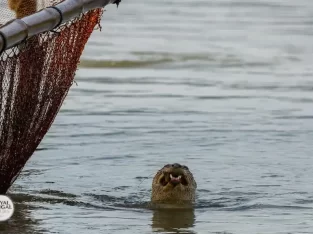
[{"x": 35, "y": 76}]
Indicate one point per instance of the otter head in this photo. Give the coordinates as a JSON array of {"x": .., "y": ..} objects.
[{"x": 174, "y": 183}]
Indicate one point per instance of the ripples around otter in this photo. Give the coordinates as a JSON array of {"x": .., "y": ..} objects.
[{"x": 224, "y": 87}]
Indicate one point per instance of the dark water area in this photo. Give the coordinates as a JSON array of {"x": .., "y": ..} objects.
[{"x": 224, "y": 87}]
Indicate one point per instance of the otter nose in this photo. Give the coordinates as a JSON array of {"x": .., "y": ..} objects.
[{"x": 176, "y": 165}]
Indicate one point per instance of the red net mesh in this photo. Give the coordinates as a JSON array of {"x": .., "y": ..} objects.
[{"x": 35, "y": 77}]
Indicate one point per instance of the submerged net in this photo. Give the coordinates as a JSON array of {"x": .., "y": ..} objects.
[{"x": 35, "y": 77}]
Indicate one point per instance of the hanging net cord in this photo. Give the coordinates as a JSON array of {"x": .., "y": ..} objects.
[{"x": 35, "y": 77}]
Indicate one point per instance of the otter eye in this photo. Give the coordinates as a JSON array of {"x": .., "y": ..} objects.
[{"x": 185, "y": 167}]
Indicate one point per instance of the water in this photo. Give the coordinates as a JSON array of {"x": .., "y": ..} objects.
[{"x": 222, "y": 86}]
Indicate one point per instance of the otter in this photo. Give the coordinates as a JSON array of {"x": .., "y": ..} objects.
[{"x": 174, "y": 183}]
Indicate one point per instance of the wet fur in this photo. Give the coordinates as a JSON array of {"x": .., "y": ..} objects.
[{"x": 177, "y": 194}]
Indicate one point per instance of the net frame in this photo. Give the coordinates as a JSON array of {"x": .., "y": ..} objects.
[{"x": 47, "y": 19}]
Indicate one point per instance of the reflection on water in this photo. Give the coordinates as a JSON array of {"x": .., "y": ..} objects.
[
  {"x": 22, "y": 220},
  {"x": 173, "y": 220}
]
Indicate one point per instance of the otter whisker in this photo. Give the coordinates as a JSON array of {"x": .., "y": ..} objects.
[{"x": 142, "y": 179}]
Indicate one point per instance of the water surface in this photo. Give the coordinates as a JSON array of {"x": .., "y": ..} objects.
[{"x": 222, "y": 86}]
